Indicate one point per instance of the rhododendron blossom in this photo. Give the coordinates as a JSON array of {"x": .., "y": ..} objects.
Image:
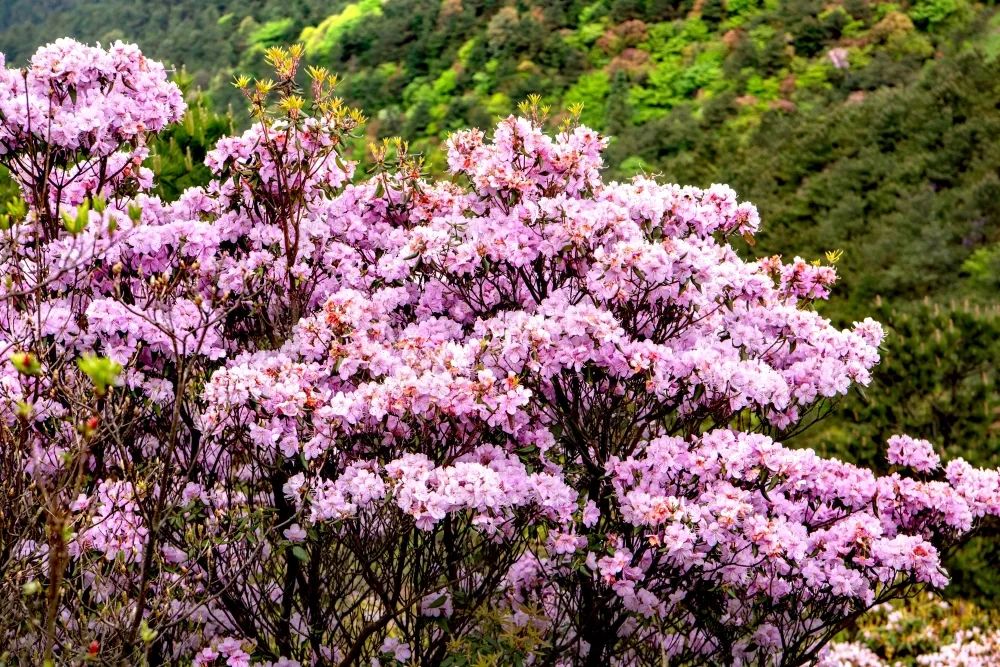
[
  {"x": 331, "y": 420},
  {"x": 969, "y": 648},
  {"x": 917, "y": 454}
]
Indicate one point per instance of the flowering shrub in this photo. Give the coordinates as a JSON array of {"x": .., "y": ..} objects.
[
  {"x": 924, "y": 631},
  {"x": 295, "y": 418}
]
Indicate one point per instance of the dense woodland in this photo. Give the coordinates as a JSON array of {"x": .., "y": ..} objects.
[{"x": 856, "y": 126}]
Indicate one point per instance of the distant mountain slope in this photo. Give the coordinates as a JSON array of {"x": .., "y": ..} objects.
[{"x": 210, "y": 39}]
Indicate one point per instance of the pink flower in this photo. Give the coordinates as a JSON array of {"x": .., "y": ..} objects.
[
  {"x": 838, "y": 56},
  {"x": 396, "y": 649},
  {"x": 912, "y": 453},
  {"x": 206, "y": 656},
  {"x": 294, "y": 533},
  {"x": 436, "y": 604}
]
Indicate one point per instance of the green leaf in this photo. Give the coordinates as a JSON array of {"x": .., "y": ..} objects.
[
  {"x": 102, "y": 371},
  {"x": 76, "y": 224},
  {"x": 17, "y": 208},
  {"x": 134, "y": 212},
  {"x": 146, "y": 633}
]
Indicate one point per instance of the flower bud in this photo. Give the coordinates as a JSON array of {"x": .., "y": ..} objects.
[{"x": 26, "y": 363}]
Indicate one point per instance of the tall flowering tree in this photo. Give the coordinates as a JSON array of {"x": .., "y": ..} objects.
[{"x": 298, "y": 417}]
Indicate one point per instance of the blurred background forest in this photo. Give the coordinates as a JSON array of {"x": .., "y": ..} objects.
[{"x": 857, "y": 125}]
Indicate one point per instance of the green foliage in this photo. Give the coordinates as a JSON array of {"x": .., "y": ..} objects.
[
  {"x": 103, "y": 372},
  {"x": 273, "y": 32},
  {"x": 983, "y": 268},
  {"x": 495, "y": 643},
  {"x": 212, "y": 40},
  {"x": 990, "y": 46},
  {"x": 591, "y": 90},
  {"x": 934, "y": 12},
  {"x": 76, "y": 222},
  {"x": 901, "y": 632},
  {"x": 323, "y": 38},
  {"x": 177, "y": 156}
]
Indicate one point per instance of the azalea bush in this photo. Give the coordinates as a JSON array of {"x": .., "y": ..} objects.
[
  {"x": 923, "y": 630},
  {"x": 298, "y": 416},
  {"x": 969, "y": 648}
]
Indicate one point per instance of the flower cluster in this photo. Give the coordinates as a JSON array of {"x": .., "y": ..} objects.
[
  {"x": 83, "y": 98},
  {"x": 922, "y": 630},
  {"x": 912, "y": 453}
]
